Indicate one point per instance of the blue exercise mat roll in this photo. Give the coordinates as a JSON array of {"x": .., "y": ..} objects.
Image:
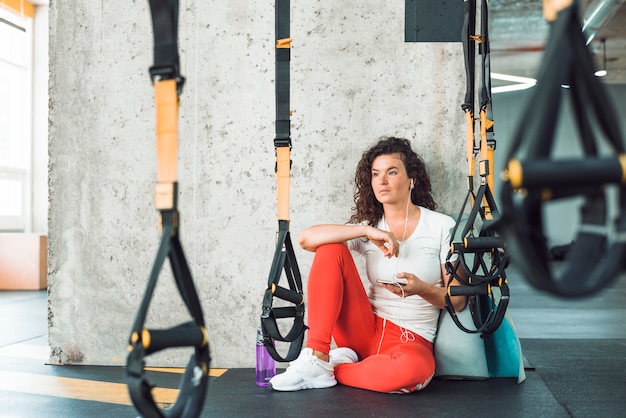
[{"x": 464, "y": 356}]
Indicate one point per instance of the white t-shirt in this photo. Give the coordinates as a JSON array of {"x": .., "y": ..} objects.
[{"x": 421, "y": 254}]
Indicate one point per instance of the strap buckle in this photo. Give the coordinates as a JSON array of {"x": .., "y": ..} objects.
[
  {"x": 282, "y": 142},
  {"x": 268, "y": 297},
  {"x": 167, "y": 72}
]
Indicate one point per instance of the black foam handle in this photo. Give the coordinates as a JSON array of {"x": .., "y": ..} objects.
[
  {"x": 289, "y": 295},
  {"x": 184, "y": 335},
  {"x": 481, "y": 289},
  {"x": 563, "y": 173},
  {"x": 483, "y": 243}
]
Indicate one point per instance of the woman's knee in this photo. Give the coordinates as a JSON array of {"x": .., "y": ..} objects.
[
  {"x": 336, "y": 252},
  {"x": 331, "y": 249},
  {"x": 340, "y": 254}
]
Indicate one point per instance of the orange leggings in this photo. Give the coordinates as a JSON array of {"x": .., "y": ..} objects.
[{"x": 339, "y": 308}]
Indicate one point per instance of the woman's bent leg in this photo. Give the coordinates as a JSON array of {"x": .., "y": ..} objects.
[
  {"x": 336, "y": 298},
  {"x": 338, "y": 305}
]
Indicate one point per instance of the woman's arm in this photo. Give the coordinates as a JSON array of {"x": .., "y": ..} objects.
[{"x": 317, "y": 235}]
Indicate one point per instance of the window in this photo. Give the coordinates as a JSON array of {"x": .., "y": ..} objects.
[{"x": 16, "y": 50}]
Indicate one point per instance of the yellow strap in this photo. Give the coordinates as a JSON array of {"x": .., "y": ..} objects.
[
  {"x": 483, "y": 134},
  {"x": 486, "y": 152},
  {"x": 486, "y": 157},
  {"x": 284, "y": 43},
  {"x": 515, "y": 173},
  {"x": 166, "y": 100},
  {"x": 622, "y": 162},
  {"x": 490, "y": 158},
  {"x": 552, "y": 7},
  {"x": 469, "y": 142},
  {"x": 283, "y": 157}
]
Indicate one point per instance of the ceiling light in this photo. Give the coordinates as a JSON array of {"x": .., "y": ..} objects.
[
  {"x": 602, "y": 72},
  {"x": 519, "y": 83}
]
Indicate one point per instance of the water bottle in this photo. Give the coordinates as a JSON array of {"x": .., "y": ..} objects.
[{"x": 265, "y": 364}]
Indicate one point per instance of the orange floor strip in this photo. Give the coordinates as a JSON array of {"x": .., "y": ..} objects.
[
  {"x": 81, "y": 389},
  {"x": 85, "y": 390}
]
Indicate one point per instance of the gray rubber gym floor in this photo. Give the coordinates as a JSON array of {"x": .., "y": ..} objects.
[{"x": 575, "y": 353}]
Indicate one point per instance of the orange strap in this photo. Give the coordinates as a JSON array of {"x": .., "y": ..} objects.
[
  {"x": 469, "y": 142},
  {"x": 552, "y": 7},
  {"x": 166, "y": 100},
  {"x": 486, "y": 157},
  {"x": 486, "y": 152},
  {"x": 283, "y": 162},
  {"x": 284, "y": 43}
]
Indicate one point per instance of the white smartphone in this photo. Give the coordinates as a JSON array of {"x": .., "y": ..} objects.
[{"x": 397, "y": 281}]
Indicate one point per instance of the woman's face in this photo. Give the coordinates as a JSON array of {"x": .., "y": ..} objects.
[{"x": 390, "y": 180}]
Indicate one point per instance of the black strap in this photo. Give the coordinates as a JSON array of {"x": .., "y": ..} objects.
[
  {"x": 165, "y": 33},
  {"x": 477, "y": 258},
  {"x": 284, "y": 260},
  {"x": 484, "y": 51},
  {"x": 146, "y": 341},
  {"x": 282, "y": 11},
  {"x": 469, "y": 52},
  {"x": 480, "y": 267},
  {"x": 598, "y": 253}
]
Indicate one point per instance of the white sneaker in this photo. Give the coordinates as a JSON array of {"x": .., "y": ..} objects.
[
  {"x": 305, "y": 372},
  {"x": 343, "y": 355}
]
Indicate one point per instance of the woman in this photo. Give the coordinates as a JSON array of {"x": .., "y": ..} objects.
[{"x": 386, "y": 333}]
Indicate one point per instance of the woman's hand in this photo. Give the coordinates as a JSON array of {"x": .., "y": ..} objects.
[
  {"x": 434, "y": 295},
  {"x": 414, "y": 285},
  {"x": 385, "y": 241}
]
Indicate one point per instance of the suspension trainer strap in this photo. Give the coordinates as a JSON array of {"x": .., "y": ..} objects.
[
  {"x": 284, "y": 256},
  {"x": 487, "y": 141},
  {"x": 143, "y": 341},
  {"x": 469, "y": 52},
  {"x": 477, "y": 258},
  {"x": 597, "y": 255}
]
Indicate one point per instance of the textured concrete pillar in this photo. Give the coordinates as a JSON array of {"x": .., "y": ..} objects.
[{"x": 354, "y": 79}]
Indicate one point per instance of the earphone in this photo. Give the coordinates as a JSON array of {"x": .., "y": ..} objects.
[{"x": 405, "y": 334}]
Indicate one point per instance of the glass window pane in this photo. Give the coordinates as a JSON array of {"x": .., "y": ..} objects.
[
  {"x": 12, "y": 198},
  {"x": 14, "y": 145},
  {"x": 15, "y": 118}
]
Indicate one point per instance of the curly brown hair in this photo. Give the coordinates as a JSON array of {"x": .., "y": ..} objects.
[{"x": 367, "y": 207}]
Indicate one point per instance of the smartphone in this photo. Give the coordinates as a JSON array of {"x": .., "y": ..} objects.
[{"x": 396, "y": 281}]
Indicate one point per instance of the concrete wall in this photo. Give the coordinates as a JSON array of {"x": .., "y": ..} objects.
[{"x": 354, "y": 79}]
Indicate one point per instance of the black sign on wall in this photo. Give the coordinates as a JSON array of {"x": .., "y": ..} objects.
[{"x": 433, "y": 20}]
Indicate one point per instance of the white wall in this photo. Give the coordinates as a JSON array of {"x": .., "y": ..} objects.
[{"x": 354, "y": 79}]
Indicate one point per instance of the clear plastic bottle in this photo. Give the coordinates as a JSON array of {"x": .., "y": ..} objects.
[{"x": 265, "y": 364}]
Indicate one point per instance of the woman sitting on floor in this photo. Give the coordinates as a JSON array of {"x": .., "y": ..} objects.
[{"x": 385, "y": 334}]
